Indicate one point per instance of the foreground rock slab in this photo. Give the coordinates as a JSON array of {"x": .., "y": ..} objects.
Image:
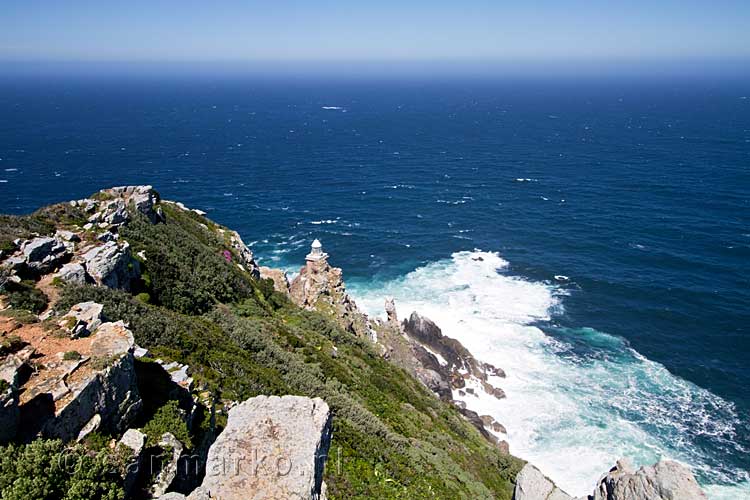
[{"x": 272, "y": 447}]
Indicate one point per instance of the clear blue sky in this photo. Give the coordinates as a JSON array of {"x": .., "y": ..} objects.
[{"x": 384, "y": 30}]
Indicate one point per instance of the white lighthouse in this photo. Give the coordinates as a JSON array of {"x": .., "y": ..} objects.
[{"x": 317, "y": 256}]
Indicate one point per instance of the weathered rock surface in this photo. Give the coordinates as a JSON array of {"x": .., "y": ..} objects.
[
  {"x": 245, "y": 254},
  {"x": 39, "y": 255},
  {"x": 72, "y": 272},
  {"x": 666, "y": 480},
  {"x": 168, "y": 473},
  {"x": 142, "y": 197},
  {"x": 279, "y": 277},
  {"x": 272, "y": 447},
  {"x": 531, "y": 484},
  {"x": 133, "y": 442},
  {"x": 82, "y": 319},
  {"x": 96, "y": 388},
  {"x": 112, "y": 265}
]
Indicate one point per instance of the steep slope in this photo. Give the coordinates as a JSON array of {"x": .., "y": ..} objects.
[{"x": 190, "y": 292}]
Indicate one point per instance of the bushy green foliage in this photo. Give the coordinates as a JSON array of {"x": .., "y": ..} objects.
[
  {"x": 46, "y": 469},
  {"x": 168, "y": 418},
  {"x": 392, "y": 438},
  {"x": 25, "y": 296},
  {"x": 186, "y": 270},
  {"x": 72, "y": 356}
]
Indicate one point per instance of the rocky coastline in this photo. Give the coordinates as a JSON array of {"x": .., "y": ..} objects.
[{"x": 120, "y": 369}]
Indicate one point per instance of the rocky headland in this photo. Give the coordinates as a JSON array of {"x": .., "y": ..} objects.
[{"x": 143, "y": 344}]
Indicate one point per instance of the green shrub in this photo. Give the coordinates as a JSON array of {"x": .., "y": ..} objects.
[
  {"x": 143, "y": 297},
  {"x": 47, "y": 470},
  {"x": 168, "y": 418},
  {"x": 26, "y": 296},
  {"x": 11, "y": 343},
  {"x": 185, "y": 268},
  {"x": 72, "y": 356}
]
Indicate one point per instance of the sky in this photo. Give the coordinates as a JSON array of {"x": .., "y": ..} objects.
[{"x": 355, "y": 31}]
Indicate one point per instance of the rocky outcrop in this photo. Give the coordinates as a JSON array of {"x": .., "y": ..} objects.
[
  {"x": 112, "y": 265},
  {"x": 132, "y": 444},
  {"x": 143, "y": 199},
  {"x": 666, "y": 480},
  {"x": 93, "y": 386},
  {"x": 318, "y": 286},
  {"x": 39, "y": 256},
  {"x": 531, "y": 484},
  {"x": 279, "y": 278},
  {"x": 72, "y": 272},
  {"x": 82, "y": 319},
  {"x": 272, "y": 447},
  {"x": 173, "y": 448},
  {"x": 247, "y": 260}
]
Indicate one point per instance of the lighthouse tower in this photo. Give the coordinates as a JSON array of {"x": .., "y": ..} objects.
[{"x": 317, "y": 258}]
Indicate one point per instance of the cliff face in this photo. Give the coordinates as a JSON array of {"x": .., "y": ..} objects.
[{"x": 320, "y": 287}]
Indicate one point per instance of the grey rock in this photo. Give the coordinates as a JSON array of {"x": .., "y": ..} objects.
[
  {"x": 134, "y": 441},
  {"x": 531, "y": 484},
  {"x": 666, "y": 480},
  {"x": 112, "y": 265},
  {"x": 82, "y": 319},
  {"x": 143, "y": 198},
  {"x": 104, "y": 385},
  {"x": 140, "y": 352},
  {"x": 245, "y": 254},
  {"x": 272, "y": 447},
  {"x": 67, "y": 236},
  {"x": 107, "y": 236},
  {"x": 168, "y": 473},
  {"x": 72, "y": 273},
  {"x": 42, "y": 255},
  {"x": 91, "y": 426},
  {"x": 390, "y": 311}
]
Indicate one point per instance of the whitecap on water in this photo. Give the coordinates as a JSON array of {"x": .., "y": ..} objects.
[{"x": 577, "y": 399}]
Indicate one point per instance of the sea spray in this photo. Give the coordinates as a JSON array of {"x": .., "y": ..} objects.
[{"x": 577, "y": 399}]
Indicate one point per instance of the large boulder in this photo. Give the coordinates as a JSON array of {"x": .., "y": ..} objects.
[
  {"x": 531, "y": 484},
  {"x": 666, "y": 480},
  {"x": 40, "y": 255},
  {"x": 82, "y": 319},
  {"x": 112, "y": 265},
  {"x": 272, "y": 447},
  {"x": 73, "y": 272}
]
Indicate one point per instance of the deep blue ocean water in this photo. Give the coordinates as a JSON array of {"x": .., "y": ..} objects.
[{"x": 635, "y": 191}]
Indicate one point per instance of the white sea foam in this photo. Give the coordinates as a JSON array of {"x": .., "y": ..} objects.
[{"x": 571, "y": 416}]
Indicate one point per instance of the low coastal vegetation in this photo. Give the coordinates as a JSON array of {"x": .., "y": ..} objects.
[{"x": 193, "y": 304}]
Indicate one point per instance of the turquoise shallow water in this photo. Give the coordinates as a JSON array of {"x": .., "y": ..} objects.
[{"x": 617, "y": 213}]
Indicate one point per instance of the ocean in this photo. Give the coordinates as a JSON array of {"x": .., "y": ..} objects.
[{"x": 590, "y": 237}]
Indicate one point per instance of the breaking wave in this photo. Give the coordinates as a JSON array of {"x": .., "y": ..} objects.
[{"x": 577, "y": 399}]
